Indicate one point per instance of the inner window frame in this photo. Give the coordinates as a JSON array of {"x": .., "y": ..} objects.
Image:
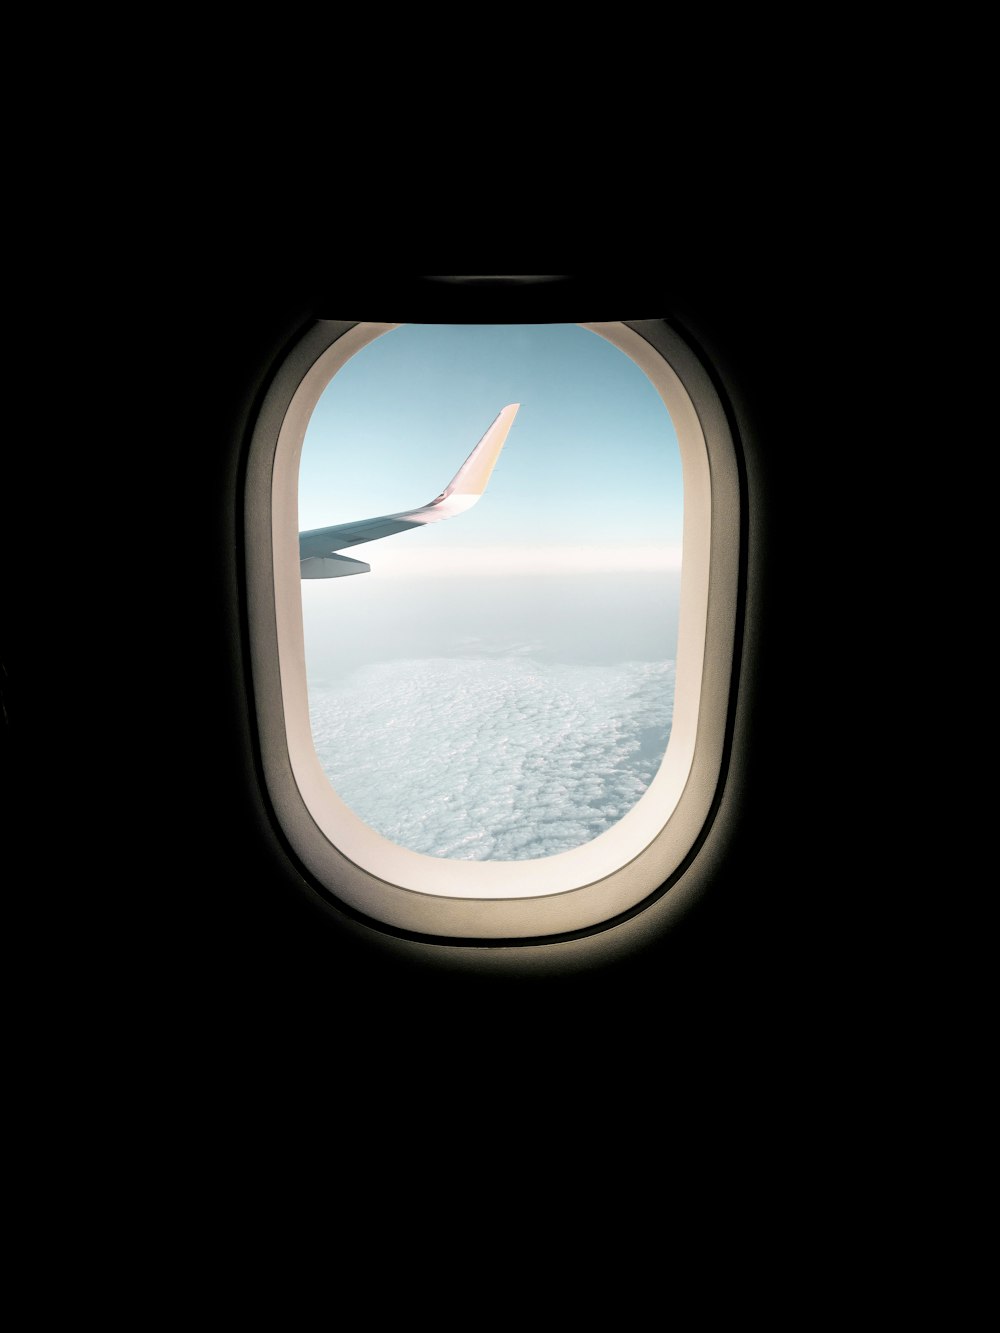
[{"x": 573, "y": 890}]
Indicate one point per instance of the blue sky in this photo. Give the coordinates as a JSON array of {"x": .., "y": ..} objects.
[{"x": 590, "y": 470}]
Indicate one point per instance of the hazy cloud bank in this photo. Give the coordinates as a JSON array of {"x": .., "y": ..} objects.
[{"x": 498, "y": 759}]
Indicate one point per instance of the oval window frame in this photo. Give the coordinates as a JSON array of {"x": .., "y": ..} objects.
[{"x": 505, "y": 900}]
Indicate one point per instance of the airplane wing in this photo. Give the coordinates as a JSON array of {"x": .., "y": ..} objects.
[{"x": 318, "y": 546}]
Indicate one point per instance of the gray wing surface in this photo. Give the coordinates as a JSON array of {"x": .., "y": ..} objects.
[{"x": 318, "y": 546}]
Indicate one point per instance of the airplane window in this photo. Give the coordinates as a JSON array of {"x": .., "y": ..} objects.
[
  {"x": 500, "y": 686},
  {"x": 499, "y": 714}
]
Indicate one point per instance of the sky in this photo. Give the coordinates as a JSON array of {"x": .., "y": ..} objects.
[
  {"x": 572, "y": 552},
  {"x": 591, "y": 465}
]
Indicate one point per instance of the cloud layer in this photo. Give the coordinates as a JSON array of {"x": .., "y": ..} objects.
[{"x": 493, "y": 759}]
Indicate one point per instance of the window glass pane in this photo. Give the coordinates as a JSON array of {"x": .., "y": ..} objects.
[{"x": 499, "y": 686}]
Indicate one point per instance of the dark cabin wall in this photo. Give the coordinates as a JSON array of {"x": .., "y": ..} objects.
[
  {"x": 205, "y": 924},
  {"x": 748, "y": 942}
]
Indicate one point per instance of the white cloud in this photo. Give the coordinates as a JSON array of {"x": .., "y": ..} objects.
[{"x": 493, "y": 758}]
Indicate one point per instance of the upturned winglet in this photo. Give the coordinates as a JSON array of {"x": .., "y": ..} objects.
[{"x": 317, "y": 546}]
